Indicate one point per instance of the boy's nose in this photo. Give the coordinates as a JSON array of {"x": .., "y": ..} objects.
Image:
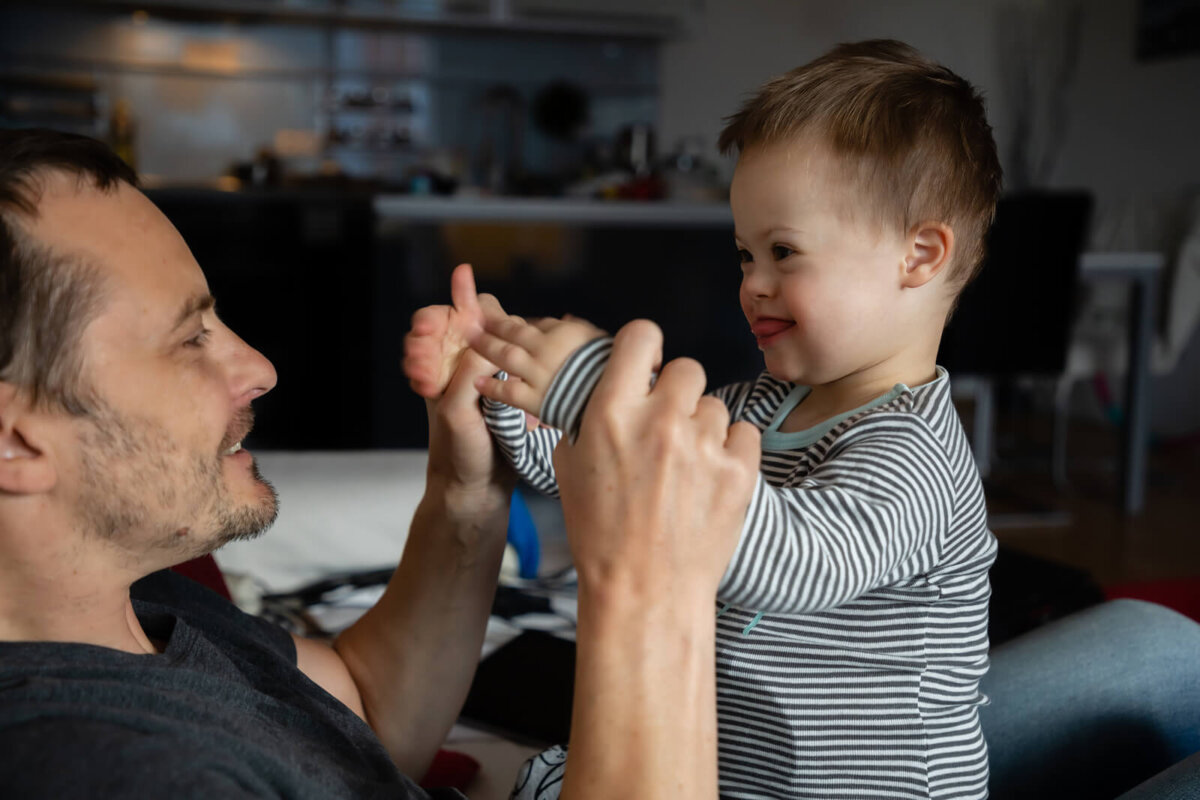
[{"x": 756, "y": 283}]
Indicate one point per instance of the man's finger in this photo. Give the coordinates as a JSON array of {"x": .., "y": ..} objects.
[
  {"x": 712, "y": 412},
  {"x": 462, "y": 291},
  {"x": 682, "y": 383},
  {"x": 744, "y": 442},
  {"x": 636, "y": 354},
  {"x": 429, "y": 320},
  {"x": 460, "y": 391}
]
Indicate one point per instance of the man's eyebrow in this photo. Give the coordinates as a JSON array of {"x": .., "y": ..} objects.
[{"x": 197, "y": 304}]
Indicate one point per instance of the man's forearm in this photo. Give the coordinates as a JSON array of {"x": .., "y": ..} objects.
[
  {"x": 413, "y": 655},
  {"x": 644, "y": 722}
]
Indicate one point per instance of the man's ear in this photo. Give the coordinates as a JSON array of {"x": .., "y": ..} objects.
[
  {"x": 930, "y": 245},
  {"x": 24, "y": 467}
]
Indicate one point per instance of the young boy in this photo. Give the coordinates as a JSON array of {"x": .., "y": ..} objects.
[{"x": 852, "y": 622}]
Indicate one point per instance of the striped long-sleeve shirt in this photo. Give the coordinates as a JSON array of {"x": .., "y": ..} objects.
[{"x": 852, "y": 631}]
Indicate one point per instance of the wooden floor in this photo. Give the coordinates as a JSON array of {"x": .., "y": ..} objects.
[{"x": 1093, "y": 534}]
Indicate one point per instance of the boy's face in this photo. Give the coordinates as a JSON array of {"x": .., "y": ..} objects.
[{"x": 819, "y": 280}]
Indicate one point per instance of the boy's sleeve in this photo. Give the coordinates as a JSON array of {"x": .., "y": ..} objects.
[
  {"x": 531, "y": 452},
  {"x": 871, "y": 514}
]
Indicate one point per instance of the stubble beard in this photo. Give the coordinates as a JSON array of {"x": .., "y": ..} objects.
[{"x": 136, "y": 479}]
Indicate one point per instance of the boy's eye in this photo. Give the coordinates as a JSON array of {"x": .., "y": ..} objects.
[
  {"x": 744, "y": 255},
  {"x": 779, "y": 252}
]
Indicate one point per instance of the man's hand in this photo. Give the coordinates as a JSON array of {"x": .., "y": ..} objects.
[
  {"x": 441, "y": 334},
  {"x": 654, "y": 492},
  {"x": 530, "y": 352},
  {"x": 656, "y": 488},
  {"x": 410, "y": 659},
  {"x": 462, "y": 455}
]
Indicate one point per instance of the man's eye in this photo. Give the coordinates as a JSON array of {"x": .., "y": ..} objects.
[
  {"x": 744, "y": 255},
  {"x": 779, "y": 252},
  {"x": 199, "y": 340}
]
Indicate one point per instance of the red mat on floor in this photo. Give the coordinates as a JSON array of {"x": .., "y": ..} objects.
[{"x": 1181, "y": 594}]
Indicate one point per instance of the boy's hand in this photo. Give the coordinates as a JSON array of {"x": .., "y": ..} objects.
[
  {"x": 440, "y": 334},
  {"x": 531, "y": 352}
]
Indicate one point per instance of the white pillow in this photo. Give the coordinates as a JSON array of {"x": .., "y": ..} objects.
[{"x": 339, "y": 511}]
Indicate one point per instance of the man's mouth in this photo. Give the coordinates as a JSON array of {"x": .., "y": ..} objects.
[
  {"x": 239, "y": 429},
  {"x": 767, "y": 329}
]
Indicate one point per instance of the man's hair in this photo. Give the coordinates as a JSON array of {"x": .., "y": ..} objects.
[
  {"x": 911, "y": 134},
  {"x": 47, "y": 299}
]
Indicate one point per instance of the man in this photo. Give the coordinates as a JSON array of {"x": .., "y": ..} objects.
[{"x": 123, "y": 404}]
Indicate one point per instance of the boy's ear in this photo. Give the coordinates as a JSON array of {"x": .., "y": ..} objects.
[
  {"x": 24, "y": 467},
  {"x": 930, "y": 245}
]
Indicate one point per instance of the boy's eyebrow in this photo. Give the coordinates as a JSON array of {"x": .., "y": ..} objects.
[
  {"x": 765, "y": 233},
  {"x": 193, "y": 306}
]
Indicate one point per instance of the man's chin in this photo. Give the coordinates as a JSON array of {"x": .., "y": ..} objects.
[{"x": 250, "y": 520}]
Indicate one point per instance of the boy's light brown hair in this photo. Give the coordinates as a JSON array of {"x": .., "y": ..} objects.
[{"x": 914, "y": 137}]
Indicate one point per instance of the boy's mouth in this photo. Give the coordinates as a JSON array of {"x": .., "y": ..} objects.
[{"x": 768, "y": 329}]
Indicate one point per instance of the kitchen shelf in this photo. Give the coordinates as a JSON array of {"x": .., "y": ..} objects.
[{"x": 649, "y": 26}]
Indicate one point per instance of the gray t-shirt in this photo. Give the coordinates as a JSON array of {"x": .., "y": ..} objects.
[{"x": 223, "y": 712}]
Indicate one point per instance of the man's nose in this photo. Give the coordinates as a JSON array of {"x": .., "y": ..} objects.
[{"x": 253, "y": 375}]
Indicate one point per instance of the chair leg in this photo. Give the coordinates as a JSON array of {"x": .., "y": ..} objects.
[
  {"x": 984, "y": 425},
  {"x": 1062, "y": 421}
]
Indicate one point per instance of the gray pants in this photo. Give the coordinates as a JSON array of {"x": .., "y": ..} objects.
[{"x": 1094, "y": 704}]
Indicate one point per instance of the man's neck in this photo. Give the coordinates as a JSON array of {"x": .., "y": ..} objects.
[{"x": 65, "y": 593}]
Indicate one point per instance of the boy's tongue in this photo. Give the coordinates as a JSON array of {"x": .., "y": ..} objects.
[{"x": 769, "y": 327}]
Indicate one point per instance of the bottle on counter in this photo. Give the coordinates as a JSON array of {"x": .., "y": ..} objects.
[{"x": 122, "y": 132}]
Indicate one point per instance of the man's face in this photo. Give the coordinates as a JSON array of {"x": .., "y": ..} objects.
[
  {"x": 818, "y": 286},
  {"x": 155, "y": 468}
]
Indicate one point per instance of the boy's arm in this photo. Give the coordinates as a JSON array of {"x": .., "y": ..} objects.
[
  {"x": 536, "y": 354},
  {"x": 551, "y": 385},
  {"x": 860, "y": 516},
  {"x": 528, "y": 451},
  {"x": 863, "y": 517}
]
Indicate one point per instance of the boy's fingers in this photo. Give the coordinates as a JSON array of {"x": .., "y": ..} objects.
[
  {"x": 636, "y": 354},
  {"x": 515, "y": 330},
  {"x": 586, "y": 323},
  {"x": 490, "y": 307},
  {"x": 517, "y": 394},
  {"x": 507, "y": 356}
]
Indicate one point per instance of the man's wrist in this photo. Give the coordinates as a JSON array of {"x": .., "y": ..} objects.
[
  {"x": 472, "y": 514},
  {"x": 617, "y": 603}
]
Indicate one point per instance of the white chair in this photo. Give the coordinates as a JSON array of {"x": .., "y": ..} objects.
[{"x": 1099, "y": 345}]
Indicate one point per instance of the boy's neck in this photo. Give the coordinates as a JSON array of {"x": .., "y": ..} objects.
[{"x": 855, "y": 390}]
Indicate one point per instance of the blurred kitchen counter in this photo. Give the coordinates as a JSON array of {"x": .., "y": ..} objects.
[{"x": 431, "y": 209}]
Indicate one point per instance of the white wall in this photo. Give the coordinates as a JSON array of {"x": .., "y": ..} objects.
[
  {"x": 1132, "y": 131},
  {"x": 735, "y": 45}
]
